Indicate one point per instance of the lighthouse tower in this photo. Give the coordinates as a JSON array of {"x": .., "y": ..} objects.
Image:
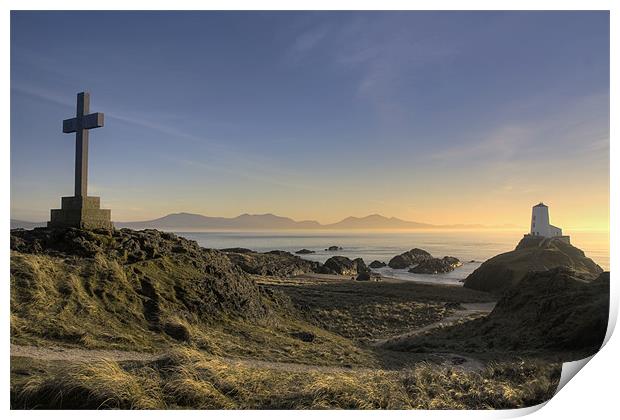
[{"x": 540, "y": 223}]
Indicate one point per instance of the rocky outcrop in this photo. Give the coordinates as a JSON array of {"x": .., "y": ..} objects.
[
  {"x": 436, "y": 265},
  {"x": 238, "y": 250},
  {"x": 123, "y": 286},
  {"x": 273, "y": 263},
  {"x": 304, "y": 251},
  {"x": 409, "y": 258},
  {"x": 377, "y": 264},
  {"x": 334, "y": 248},
  {"x": 344, "y": 266},
  {"x": 532, "y": 254},
  {"x": 363, "y": 277}
]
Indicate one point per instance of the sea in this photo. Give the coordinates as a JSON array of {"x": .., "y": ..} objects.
[{"x": 471, "y": 247}]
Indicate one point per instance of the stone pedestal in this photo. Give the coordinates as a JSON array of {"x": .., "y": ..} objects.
[{"x": 81, "y": 213}]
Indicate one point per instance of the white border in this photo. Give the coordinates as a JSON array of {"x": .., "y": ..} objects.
[{"x": 591, "y": 395}]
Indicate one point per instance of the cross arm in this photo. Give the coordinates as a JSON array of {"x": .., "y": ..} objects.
[
  {"x": 87, "y": 122},
  {"x": 94, "y": 120},
  {"x": 69, "y": 126}
]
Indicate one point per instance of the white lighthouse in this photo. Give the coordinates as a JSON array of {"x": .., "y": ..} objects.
[{"x": 540, "y": 223}]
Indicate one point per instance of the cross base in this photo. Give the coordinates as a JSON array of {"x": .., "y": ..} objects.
[{"x": 81, "y": 213}]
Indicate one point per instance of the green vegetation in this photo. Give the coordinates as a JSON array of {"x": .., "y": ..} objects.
[{"x": 242, "y": 340}]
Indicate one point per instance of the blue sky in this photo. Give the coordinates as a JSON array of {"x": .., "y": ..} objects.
[{"x": 443, "y": 117}]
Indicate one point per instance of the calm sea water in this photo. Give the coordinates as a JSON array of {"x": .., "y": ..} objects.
[{"x": 471, "y": 247}]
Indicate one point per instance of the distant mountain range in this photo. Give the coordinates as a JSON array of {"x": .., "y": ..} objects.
[{"x": 192, "y": 222}]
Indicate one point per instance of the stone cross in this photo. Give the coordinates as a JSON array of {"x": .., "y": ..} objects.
[
  {"x": 80, "y": 125},
  {"x": 81, "y": 211}
]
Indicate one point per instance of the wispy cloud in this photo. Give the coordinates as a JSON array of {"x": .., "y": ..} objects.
[
  {"x": 576, "y": 131},
  {"x": 217, "y": 156},
  {"x": 376, "y": 53}
]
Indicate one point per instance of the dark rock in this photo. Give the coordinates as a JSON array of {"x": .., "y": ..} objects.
[
  {"x": 304, "y": 251},
  {"x": 436, "y": 265},
  {"x": 273, "y": 263},
  {"x": 344, "y": 266},
  {"x": 377, "y": 264},
  {"x": 363, "y": 277},
  {"x": 361, "y": 266},
  {"x": 409, "y": 258},
  {"x": 532, "y": 254},
  {"x": 279, "y": 252},
  {"x": 125, "y": 245},
  {"x": 238, "y": 250},
  {"x": 333, "y": 248}
]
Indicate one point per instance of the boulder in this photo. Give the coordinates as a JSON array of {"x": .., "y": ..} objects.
[
  {"x": 304, "y": 251},
  {"x": 361, "y": 266},
  {"x": 363, "y": 277},
  {"x": 345, "y": 266},
  {"x": 436, "y": 265},
  {"x": 409, "y": 258},
  {"x": 532, "y": 254},
  {"x": 377, "y": 264}
]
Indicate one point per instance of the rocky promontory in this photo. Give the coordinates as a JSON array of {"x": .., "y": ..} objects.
[{"x": 532, "y": 254}]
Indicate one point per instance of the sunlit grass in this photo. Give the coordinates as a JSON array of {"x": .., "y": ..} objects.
[{"x": 187, "y": 378}]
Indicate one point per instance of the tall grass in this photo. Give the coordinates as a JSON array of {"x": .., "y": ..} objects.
[{"x": 187, "y": 378}]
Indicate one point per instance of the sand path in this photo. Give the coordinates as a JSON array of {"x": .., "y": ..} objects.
[{"x": 56, "y": 353}]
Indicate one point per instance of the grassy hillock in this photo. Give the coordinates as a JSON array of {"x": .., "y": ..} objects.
[{"x": 148, "y": 290}]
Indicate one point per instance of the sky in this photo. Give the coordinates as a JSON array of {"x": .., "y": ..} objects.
[{"x": 437, "y": 117}]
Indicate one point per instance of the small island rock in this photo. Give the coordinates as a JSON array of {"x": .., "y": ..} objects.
[
  {"x": 409, "y": 258},
  {"x": 377, "y": 264},
  {"x": 334, "y": 248}
]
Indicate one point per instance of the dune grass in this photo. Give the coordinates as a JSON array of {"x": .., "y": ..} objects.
[{"x": 187, "y": 378}]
